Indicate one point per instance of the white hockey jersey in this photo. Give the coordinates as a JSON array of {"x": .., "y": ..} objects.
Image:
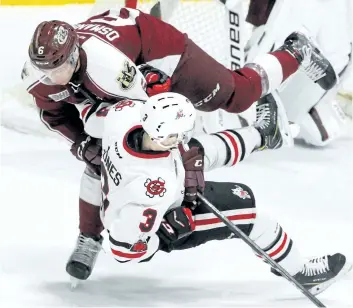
[{"x": 139, "y": 187}]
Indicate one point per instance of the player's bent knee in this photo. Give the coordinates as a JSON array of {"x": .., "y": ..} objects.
[
  {"x": 90, "y": 187},
  {"x": 243, "y": 193},
  {"x": 230, "y": 196},
  {"x": 235, "y": 200}
]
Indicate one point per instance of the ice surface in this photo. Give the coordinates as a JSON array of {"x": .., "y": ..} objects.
[{"x": 308, "y": 190}]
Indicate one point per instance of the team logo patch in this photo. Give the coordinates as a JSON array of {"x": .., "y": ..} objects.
[
  {"x": 240, "y": 192},
  {"x": 180, "y": 114},
  {"x": 125, "y": 103},
  {"x": 61, "y": 35},
  {"x": 139, "y": 246},
  {"x": 126, "y": 78},
  {"x": 155, "y": 187}
]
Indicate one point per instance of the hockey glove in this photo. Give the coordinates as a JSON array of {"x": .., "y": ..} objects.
[
  {"x": 157, "y": 81},
  {"x": 89, "y": 150},
  {"x": 194, "y": 177},
  {"x": 177, "y": 223}
]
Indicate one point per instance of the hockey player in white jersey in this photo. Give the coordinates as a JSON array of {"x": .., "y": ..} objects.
[{"x": 150, "y": 180}]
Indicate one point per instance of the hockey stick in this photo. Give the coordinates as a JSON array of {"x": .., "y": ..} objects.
[{"x": 258, "y": 250}]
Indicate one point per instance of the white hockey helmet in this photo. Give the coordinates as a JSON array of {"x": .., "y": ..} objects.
[{"x": 168, "y": 118}]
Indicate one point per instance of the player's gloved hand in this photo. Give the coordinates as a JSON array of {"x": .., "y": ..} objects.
[
  {"x": 194, "y": 177},
  {"x": 157, "y": 81},
  {"x": 89, "y": 150},
  {"x": 176, "y": 224}
]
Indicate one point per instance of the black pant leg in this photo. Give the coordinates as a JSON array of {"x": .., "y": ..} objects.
[{"x": 234, "y": 200}]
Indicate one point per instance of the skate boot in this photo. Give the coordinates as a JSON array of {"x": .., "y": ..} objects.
[
  {"x": 82, "y": 260},
  {"x": 319, "y": 273},
  {"x": 312, "y": 61},
  {"x": 267, "y": 123}
]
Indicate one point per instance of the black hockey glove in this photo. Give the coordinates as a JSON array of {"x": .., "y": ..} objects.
[
  {"x": 89, "y": 150},
  {"x": 176, "y": 224},
  {"x": 157, "y": 81}
]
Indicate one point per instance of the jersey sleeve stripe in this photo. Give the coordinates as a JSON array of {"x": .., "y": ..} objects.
[
  {"x": 42, "y": 118},
  {"x": 121, "y": 244},
  {"x": 91, "y": 111},
  {"x": 84, "y": 111},
  {"x": 128, "y": 255}
]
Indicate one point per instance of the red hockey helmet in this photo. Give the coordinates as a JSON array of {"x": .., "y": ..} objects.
[{"x": 53, "y": 42}]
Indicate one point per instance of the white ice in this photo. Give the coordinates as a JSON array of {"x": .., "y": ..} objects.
[{"x": 308, "y": 190}]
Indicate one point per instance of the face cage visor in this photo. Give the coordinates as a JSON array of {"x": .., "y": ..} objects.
[
  {"x": 172, "y": 140},
  {"x": 65, "y": 68}
]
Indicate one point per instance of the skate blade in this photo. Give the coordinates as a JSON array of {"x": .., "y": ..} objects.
[
  {"x": 285, "y": 127},
  {"x": 294, "y": 129},
  {"x": 74, "y": 282},
  {"x": 323, "y": 286}
]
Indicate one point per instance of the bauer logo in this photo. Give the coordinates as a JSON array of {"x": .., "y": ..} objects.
[
  {"x": 236, "y": 36},
  {"x": 57, "y": 97}
]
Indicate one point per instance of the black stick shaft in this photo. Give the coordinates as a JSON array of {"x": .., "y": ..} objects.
[{"x": 258, "y": 250}]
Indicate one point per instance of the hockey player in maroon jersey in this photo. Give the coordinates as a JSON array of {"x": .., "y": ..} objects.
[{"x": 96, "y": 61}]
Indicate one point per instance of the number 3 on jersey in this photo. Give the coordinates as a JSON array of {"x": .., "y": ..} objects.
[{"x": 151, "y": 215}]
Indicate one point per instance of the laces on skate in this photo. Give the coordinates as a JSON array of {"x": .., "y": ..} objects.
[
  {"x": 316, "y": 266},
  {"x": 263, "y": 116},
  {"x": 85, "y": 250}
]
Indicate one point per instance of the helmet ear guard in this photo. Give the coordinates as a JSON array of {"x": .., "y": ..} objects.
[{"x": 169, "y": 119}]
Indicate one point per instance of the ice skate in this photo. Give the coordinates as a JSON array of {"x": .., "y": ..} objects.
[
  {"x": 313, "y": 62},
  {"x": 319, "y": 273},
  {"x": 83, "y": 258},
  {"x": 267, "y": 123}
]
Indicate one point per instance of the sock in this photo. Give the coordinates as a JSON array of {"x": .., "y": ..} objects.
[{"x": 273, "y": 239}]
